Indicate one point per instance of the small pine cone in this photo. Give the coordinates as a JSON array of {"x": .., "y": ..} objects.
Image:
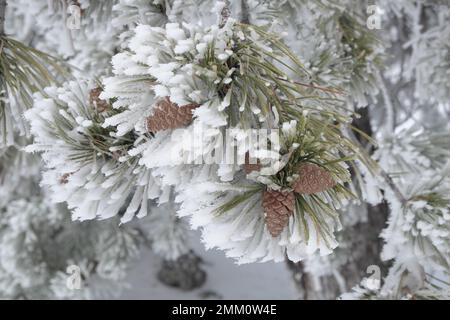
[
  {"x": 168, "y": 115},
  {"x": 278, "y": 206},
  {"x": 312, "y": 179},
  {"x": 250, "y": 167},
  {"x": 94, "y": 99},
  {"x": 64, "y": 178}
]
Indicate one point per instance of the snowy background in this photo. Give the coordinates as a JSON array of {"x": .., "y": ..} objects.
[{"x": 225, "y": 279}]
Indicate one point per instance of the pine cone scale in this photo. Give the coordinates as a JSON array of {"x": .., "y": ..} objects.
[
  {"x": 168, "y": 115},
  {"x": 94, "y": 99},
  {"x": 312, "y": 179},
  {"x": 250, "y": 167},
  {"x": 278, "y": 206}
]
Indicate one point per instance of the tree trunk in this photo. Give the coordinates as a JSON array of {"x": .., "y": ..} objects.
[
  {"x": 245, "y": 12},
  {"x": 2, "y": 16}
]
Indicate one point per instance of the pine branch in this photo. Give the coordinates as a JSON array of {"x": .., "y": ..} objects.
[
  {"x": 399, "y": 195},
  {"x": 386, "y": 177},
  {"x": 331, "y": 90},
  {"x": 390, "y": 110}
]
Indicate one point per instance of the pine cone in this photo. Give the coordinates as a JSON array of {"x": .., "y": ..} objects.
[
  {"x": 313, "y": 179},
  {"x": 94, "y": 99},
  {"x": 250, "y": 167},
  {"x": 65, "y": 178},
  {"x": 278, "y": 206},
  {"x": 168, "y": 115}
]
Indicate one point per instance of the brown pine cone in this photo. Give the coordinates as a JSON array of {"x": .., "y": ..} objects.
[
  {"x": 94, "y": 99},
  {"x": 168, "y": 115},
  {"x": 312, "y": 179},
  {"x": 250, "y": 167},
  {"x": 278, "y": 206},
  {"x": 64, "y": 178}
]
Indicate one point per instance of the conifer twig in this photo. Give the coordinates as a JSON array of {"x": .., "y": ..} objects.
[
  {"x": 390, "y": 110},
  {"x": 386, "y": 177},
  {"x": 398, "y": 194},
  {"x": 335, "y": 91}
]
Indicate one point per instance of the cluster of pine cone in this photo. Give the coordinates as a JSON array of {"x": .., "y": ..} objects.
[{"x": 279, "y": 205}]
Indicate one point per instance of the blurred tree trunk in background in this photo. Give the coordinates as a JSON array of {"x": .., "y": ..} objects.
[{"x": 184, "y": 273}]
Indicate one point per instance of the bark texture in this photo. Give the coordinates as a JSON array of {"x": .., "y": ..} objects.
[{"x": 2, "y": 16}]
